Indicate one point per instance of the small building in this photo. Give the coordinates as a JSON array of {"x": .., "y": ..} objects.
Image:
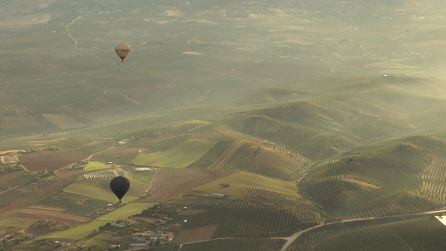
[
  {"x": 9, "y": 160},
  {"x": 123, "y": 142},
  {"x": 217, "y": 195},
  {"x": 441, "y": 219}
]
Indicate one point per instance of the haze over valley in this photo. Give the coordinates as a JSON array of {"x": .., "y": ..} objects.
[{"x": 240, "y": 125}]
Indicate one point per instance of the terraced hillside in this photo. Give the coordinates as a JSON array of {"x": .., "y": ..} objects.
[
  {"x": 168, "y": 184},
  {"x": 259, "y": 159},
  {"x": 393, "y": 177}
]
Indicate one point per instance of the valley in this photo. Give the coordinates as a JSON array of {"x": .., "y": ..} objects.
[{"x": 241, "y": 125}]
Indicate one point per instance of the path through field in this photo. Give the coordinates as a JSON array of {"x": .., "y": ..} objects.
[
  {"x": 12, "y": 188},
  {"x": 68, "y": 30}
]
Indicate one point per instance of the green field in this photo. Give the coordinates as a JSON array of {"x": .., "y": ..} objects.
[
  {"x": 94, "y": 165},
  {"x": 83, "y": 230},
  {"x": 15, "y": 221},
  {"x": 96, "y": 192},
  {"x": 179, "y": 156},
  {"x": 139, "y": 182}
]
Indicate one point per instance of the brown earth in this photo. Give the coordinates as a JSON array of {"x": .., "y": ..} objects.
[
  {"x": 50, "y": 160},
  {"x": 196, "y": 234},
  {"x": 27, "y": 199}
]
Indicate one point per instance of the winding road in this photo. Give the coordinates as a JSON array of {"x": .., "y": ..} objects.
[{"x": 294, "y": 237}]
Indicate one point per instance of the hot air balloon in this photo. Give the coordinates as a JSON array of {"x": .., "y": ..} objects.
[
  {"x": 123, "y": 50},
  {"x": 119, "y": 185}
]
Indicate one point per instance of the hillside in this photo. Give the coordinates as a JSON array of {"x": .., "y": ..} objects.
[
  {"x": 387, "y": 178},
  {"x": 421, "y": 233}
]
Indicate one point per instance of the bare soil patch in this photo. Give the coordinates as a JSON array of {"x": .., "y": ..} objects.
[
  {"x": 196, "y": 234},
  {"x": 50, "y": 160}
]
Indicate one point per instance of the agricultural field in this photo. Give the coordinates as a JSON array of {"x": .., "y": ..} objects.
[
  {"x": 52, "y": 213},
  {"x": 83, "y": 230},
  {"x": 170, "y": 183},
  {"x": 234, "y": 184},
  {"x": 213, "y": 155},
  {"x": 251, "y": 155},
  {"x": 14, "y": 221},
  {"x": 95, "y": 192},
  {"x": 240, "y": 218},
  {"x": 96, "y": 184},
  {"x": 338, "y": 193},
  {"x": 50, "y": 160},
  {"x": 94, "y": 166},
  {"x": 196, "y": 234},
  {"x": 382, "y": 179},
  {"x": 179, "y": 156},
  {"x": 421, "y": 233},
  {"x": 15, "y": 179},
  {"x": 100, "y": 175},
  {"x": 268, "y": 195},
  {"x": 433, "y": 178},
  {"x": 77, "y": 204},
  {"x": 400, "y": 204},
  {"x": 237, "y": 218},
  {"x": 140, "y": 181},
  {"x": 119, "y": 155}
]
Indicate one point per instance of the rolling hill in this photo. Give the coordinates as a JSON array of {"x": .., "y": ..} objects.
[
  {"x": 241, "y": 124},
  {"x": 386, "y": 178}
]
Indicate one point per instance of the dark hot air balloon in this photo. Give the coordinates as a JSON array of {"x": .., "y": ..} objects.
[
  {"x": 123, "y": 50},
  {"x": 119, "y": 185}
]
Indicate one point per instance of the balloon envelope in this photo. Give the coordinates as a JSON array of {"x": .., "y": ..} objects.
[
  {"x": 123, "y": 50},
  {"x": 119, "y": 185}
]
